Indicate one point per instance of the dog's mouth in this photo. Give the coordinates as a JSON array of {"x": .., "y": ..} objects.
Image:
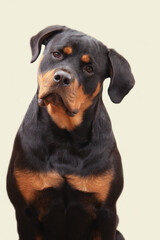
[{"x": 59, "y": 101}]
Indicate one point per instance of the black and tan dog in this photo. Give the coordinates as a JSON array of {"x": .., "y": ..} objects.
[{"x": 65, "y": 174}]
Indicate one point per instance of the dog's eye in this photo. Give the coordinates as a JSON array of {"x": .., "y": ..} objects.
[
  {"x": 89, "y": 69},
  {"x": 57, "y": 54}
]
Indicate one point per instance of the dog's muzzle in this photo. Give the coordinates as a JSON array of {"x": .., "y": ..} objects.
[{"x": 59, "y": 87}]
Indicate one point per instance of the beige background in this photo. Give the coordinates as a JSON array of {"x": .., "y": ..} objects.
[{"x": 132, "y": 28}]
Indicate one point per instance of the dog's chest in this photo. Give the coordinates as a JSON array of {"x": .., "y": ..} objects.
[{"x": 45, "y": 188}]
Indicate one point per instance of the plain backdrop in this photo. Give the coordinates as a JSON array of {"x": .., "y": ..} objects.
[{"x": 130, "y": 27}]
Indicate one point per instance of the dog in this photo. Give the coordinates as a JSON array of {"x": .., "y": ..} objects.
[{"x": 65, "y": 173}]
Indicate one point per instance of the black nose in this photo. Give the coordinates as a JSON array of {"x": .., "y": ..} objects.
[{"x": 62, "y": 77}]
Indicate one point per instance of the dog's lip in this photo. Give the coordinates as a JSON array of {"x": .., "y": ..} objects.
[
  {"x": 43, "y": 99},
  {"x": 45, "y": 96},
  {"x": 72, "y": 114}
]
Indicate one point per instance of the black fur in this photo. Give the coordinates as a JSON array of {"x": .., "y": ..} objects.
[{"x": 89, "y": 149}]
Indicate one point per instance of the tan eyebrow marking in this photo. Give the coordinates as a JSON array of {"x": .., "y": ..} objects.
[
  {"x": 85, "y": 58},
  {"x": 67, "y": 50}
]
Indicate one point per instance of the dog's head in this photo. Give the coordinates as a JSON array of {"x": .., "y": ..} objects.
[{"x": 73, "y": 68}]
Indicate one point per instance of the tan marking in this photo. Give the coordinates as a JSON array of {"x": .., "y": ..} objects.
[
  {"x": 96, "y": 235},
  {"x": 30, "y": 182},
  {"x": 45, "y": 83},
  {"x": 85, "y": 58},
  {"x": 100, "y": 184},
  {"x": 67, "y": 50},
  {"x": 81, "y": 102},
  {"x": 39, "y": 237},
  {"x": 91, "y": 210}
]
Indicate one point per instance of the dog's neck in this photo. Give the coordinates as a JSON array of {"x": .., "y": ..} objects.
[{"x": 82, "y": 133}]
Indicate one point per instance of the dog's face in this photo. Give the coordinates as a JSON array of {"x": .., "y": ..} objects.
[{"x": 73, "y": 68}]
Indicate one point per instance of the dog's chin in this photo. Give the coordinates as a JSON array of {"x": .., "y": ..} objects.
[{"x": 58, "y": 101}]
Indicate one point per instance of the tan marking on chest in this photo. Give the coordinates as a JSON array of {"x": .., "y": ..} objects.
[
  {"x": 31, "y": 182},
  {"x": 81, "y": 102},
  {"x": 100, "y": 184}
]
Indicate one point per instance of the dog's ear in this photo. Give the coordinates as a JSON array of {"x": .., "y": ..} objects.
[
  {"x": 41, "y": 38},
  {"x": 122, "y": 79}
]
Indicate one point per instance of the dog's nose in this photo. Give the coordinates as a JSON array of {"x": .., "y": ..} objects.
[{"x": 63, "y": 77}]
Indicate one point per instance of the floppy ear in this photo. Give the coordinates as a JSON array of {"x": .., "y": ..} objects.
[
  {"x": 41, "y": 37},
  {"x": 122, "y": 79}
]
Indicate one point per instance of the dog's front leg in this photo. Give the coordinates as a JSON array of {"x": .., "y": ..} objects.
[
  {"x": 27, "y": 225},
  {"x": 105, "y": 224}
]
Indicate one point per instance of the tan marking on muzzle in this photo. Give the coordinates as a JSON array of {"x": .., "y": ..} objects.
[
  {"x": 81, "y": 102},
  {"x": 85, "y": 58},
  {"x": 45, "y": 82},
  {"x": 68, "y": 50}
]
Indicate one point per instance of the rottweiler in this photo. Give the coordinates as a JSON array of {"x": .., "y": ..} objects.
[{"x": 65, "y": 173}]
